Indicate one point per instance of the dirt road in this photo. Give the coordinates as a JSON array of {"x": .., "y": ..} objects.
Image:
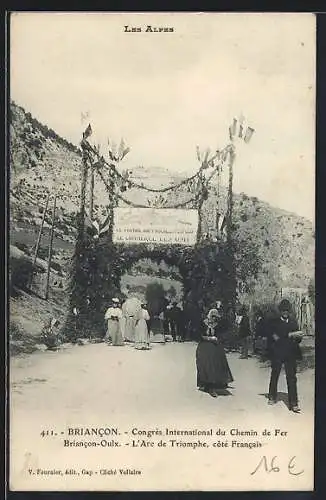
[{"x": 103, "y": 385}]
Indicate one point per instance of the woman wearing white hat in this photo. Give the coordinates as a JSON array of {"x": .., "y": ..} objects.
[{"x": 114, "y": 316}]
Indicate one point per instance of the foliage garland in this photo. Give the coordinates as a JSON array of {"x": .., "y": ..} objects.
[
  {"x": 193, "y": 200},
  {"x": 220, "y": 155}
]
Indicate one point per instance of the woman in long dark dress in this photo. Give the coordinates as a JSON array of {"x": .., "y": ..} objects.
[{"x": 213, "y": 371}]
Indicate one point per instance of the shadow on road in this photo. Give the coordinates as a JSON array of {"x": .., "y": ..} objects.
[
  {"x": 224, "y": 392},
  {"x": 219, "y": 392},
  {"x": 281, "y": 396}
]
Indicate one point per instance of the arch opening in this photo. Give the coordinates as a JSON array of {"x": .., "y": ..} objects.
[{"x": 205, "y": 273}]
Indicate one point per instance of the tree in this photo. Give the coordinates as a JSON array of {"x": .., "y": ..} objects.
[
  {"x": 248, "y": 262},
  {"x": 21, "y": 270},
  {"x": 155, "y": 298}
]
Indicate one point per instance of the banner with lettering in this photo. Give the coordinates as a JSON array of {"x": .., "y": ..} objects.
[{"x": 155, "y": 225}]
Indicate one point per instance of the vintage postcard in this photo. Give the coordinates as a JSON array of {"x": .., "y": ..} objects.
[{"x": 162, "y": 250}]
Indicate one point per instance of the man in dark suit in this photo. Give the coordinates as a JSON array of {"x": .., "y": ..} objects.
[
  {"x": 283, "y": 347},
  {"x": 176, "y": 322}
]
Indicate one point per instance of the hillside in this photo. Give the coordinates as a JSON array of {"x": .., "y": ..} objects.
[{"x": 41, "y": 160}]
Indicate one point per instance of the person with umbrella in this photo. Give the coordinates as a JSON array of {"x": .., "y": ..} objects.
[{"x": 130, "y": 311}]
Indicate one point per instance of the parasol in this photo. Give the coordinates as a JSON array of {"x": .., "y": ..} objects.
[{"x": 131, "y": 306}]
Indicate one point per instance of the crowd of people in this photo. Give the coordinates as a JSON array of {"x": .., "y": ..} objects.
[
  {"x": 131, "y": 322},
  {"x": 127, "y": 322},
  {"x": 281, "y": 336},
  {"x": 277, "y": 338}
]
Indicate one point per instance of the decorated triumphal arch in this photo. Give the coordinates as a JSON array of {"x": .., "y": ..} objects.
[{"x": 171, "y": 227}]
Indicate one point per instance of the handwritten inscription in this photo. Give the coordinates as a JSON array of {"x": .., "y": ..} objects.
[{"x": 269, "y": 466}]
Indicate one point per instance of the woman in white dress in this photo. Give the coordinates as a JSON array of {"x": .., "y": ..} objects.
[
  {"x": 113, "y": 316},
  {"x": 141, "y": 330}
]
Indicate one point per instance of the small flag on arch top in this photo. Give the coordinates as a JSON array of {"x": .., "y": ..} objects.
[
  {"x": 198, "y": 153},
  {"x": 241, "y": 127},
  {"x": 233, "y": 127},
  {"x": 123, "y": 150},
  {"x": 248, "y": 135},
  {"x": 88, "y": 132}
]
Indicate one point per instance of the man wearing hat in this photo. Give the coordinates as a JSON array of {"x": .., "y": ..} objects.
[
  {"x": 218, "y": 305},
  {"x": 113, "y": 317},
  {"x": 283, "y": 347},
  {"x": 175, "y": 321}
]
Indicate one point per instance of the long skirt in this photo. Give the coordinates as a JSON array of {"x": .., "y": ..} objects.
[
  {"x": 129, "y": 328},
  {"x": 114, "y": 331},
  {"x": 213, "y": 370},
  {"x": 141, "y": 335}
]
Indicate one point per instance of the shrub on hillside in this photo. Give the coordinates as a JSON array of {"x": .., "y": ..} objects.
[
  {"x": 23, "y": 247},
  {"x": 34, "y": 143},
  {"x": 21, "y": 270},
  {"x": 43, "y": 252},
  {"x": 16, "y": 332},
  {"x": 20, "y": 341},
  {"x": 56, "y": 266}
]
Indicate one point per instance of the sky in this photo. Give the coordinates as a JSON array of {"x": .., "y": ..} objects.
[{"x": 165, "y": 93}]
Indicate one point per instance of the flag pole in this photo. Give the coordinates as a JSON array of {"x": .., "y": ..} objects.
[
  {"x": 218, "y": 202},
  {"x": 81, "y": 221},
  {"x": 91, "y": 208},
  {"x": 230, "y": 194},
  {"x": 230, "y": 232},
  {"x": 200, "y": 211},
  {"x": 50, "y": 249},
  {"x": 111, "y": 206},
  {"x": 39, "y": 237}
]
